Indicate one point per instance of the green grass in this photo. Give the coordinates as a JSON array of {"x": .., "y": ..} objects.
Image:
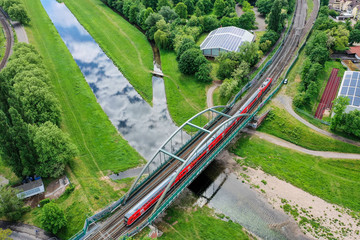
[
  {"x": 188, "y": 222},
  {"x": 2, "y": 43},
  {"x": 281, "y": 124},
  {"x": 7, "y": 173},
  {"x": 121, "y": 41},
  {"x": 334, "y": 180},
  {"x": 185, "y": 96},
  {"x": 100, "y": 146}
]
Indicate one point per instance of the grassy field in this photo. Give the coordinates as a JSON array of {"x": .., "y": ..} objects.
[
  {"x": 281, "y": 124},
  {"x": 100, "y": 146},
  {"x": 334, "y": 180},
  {"x": 121, "y": 41},
  {"x": 185, "y": 96},
  {"x": 188, "y": 222},
  {"x": 2, "y": 43},
  {"x": 6, "y": 172}
]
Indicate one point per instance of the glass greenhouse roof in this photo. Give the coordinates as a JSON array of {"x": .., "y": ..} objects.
[{"x": 227, "y": 38}]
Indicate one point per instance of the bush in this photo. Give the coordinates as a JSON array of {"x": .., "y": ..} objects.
[
  {"x": 203, "y": 74},
  {"x": 69, "y": 189},
  {"x": 44, "y": 202},
  {"x": 187, "y": 61},
  {"x": 53, "y": 218}
]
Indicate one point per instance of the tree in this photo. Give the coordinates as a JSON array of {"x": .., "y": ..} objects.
[
  {"x": 264, "y": 6},
  {"x": 151, "y": 24},
  {"x": 168, "y": 13},
  {"x": 247, "y": 20},
  {"x": 351, "y": 123},
  {"x": 181, "y": 10},
  {"x": 219, "y": 7},
  {"x": 226, "y": 67},
  {"x": 203, "y": 74},
  {"x": 189, "y": 6},
  {"x": 249, "y": 53},
  {"x": 53, "y": 148},
  {"x": 210, "y": 23},
  {"x": 339, "y": 109},
  {"x": 275, "y": 16},
  {"x": 5, "y": 233},
  {"x": 17, "y": 12},
  {"x": 187, "y": 63},
  {"x": 10, "y": 205},
  {"x": 270, "y": 35},
  {"x": 162, "y": 3},
  {"x": 354, "y": 36},
  {"x": 162, "y": 39},
  {"x": 133, "y": 13},
  {"x": 207, "y": 5},
  {"x": 53, "y": 218},
  {"x": 186, "y": 44},
  {"x": 319, "y": 54},
  {"x": 228, "y": 87},
  {"x": 150, "y": 4},
  {"x": 241, "y": 72}
]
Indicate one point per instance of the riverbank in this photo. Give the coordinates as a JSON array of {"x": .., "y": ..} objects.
[
  {"x": 123, "y": 43},
  {"x": 100, "y": 147}
]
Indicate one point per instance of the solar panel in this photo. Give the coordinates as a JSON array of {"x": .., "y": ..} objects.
[{"x": 350, "y": 87}]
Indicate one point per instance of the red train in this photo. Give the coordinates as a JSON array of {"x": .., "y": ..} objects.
[{"x": 151, "y": 198}]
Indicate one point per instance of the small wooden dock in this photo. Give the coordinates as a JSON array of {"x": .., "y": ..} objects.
[{"x": 157, "y": 74}]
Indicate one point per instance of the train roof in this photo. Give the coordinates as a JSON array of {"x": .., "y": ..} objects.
[{"x": 148, "y": 196}]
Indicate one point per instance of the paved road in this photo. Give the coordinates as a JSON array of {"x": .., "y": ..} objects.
[
  {"x": 286, "y": 101},
  {"x": 20, "y": 32},
  {"x": 283, "y": 143},
  {"x": 210, "y": 93},
  {"x": 26, "y": 232}
]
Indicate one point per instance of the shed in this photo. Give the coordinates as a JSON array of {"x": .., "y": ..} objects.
[
  {"x": 30, "y": 189},
  {"x": 225, "y": 39}
]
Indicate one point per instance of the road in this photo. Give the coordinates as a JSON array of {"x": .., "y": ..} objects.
[
  {"x": 286, "y": 101},
  {"x": 286, "y": 144}
]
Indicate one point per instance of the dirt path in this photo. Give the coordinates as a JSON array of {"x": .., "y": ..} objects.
[
  {"x": 292, "y": 146},
  {"x": 286, "y": 101},
  {"x": 210, "y": 93}
]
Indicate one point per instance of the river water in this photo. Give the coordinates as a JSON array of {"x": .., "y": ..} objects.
[
  {"x": 143, "y": 126},
  {"x": 146, "y": 128}
]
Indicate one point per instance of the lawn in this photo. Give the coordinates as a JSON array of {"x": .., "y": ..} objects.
[
  {"x": 188, "y": 222},
  {"x": 334, "y": 180},
  {"x": 281, "y": 124},
  {"x": 100, "y": 146},
  {"x": 2, "y": 43},
  {"x": 122, "y": 42},
  {"x": 185, "y": 96}
]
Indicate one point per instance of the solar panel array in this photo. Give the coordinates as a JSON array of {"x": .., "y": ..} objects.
[
  {"x": 227, "y": 38},
  {"x": 350, "y": 87}
]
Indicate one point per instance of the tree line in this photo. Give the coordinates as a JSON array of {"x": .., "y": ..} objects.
[
  {"x": 31, "y": 141},
  {"x": 16, "y": 10},
  {"x": 345, "y": 122},
  {"x": 328, "y": 36},
  {"x": 234, "y": 67},
  {"x": 176, "y": 25}
]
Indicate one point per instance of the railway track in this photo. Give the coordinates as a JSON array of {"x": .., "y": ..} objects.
[
  {"x": 114, "y": 226},
  {"x": 9, "y": 40}
]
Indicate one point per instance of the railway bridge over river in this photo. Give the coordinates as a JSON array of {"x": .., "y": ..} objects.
[{"x": 181, "y": 147}]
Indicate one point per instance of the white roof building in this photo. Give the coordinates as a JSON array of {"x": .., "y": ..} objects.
[{"x": 225, "y": 39}]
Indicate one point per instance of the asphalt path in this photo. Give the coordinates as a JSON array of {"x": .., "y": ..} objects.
[
  {"x": 286, "y": 101},
  {"x": 23, "y": 231},
  {"x": 283, "y": 143}
]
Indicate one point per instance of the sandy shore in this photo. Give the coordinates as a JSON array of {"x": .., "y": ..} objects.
[{"x": 317, "y": 218}]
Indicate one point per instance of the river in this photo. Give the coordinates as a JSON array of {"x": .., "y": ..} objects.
[{"x": 143, "y": 126}]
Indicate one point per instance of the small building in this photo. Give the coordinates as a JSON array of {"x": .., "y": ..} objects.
[
  {"x": 30, "y": 189},
  {"x": 354, "y": 51},
  {"x": 225, "y": 39},
  {"x": 350, "y": 87}
]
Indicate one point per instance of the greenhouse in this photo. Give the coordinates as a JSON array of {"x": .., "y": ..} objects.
[{"x": 225, "y": 39}]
